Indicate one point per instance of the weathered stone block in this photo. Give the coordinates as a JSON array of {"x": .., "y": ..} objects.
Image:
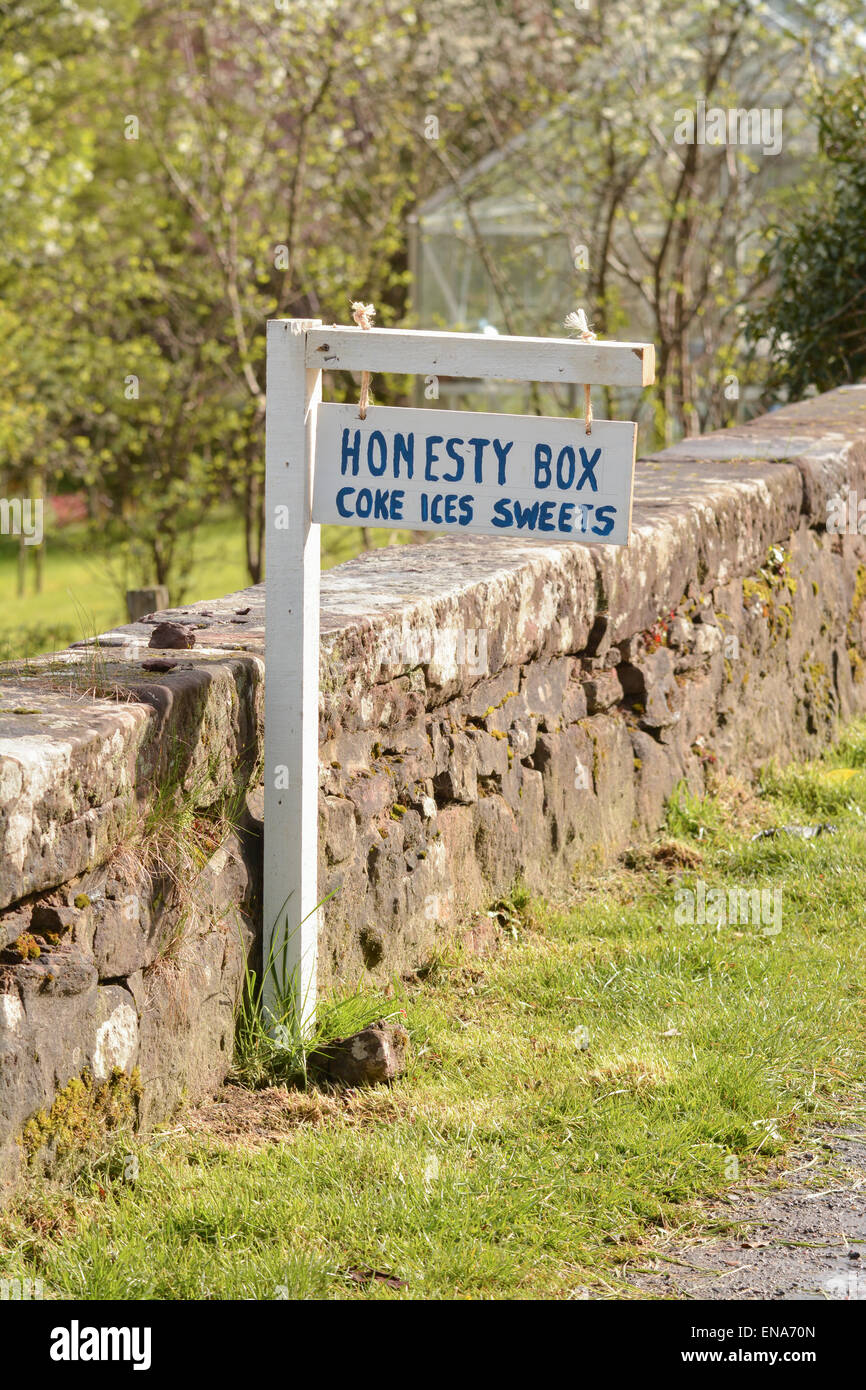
[
  {"x": 340, "y": 834},
  {"x": 602, "y": 691},
  {"x": 459, "y": 781}
]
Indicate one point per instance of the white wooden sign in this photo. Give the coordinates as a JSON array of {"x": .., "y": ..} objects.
[
  {"x": 464, "y": 472},
  {"x": 437, "y": 470}
]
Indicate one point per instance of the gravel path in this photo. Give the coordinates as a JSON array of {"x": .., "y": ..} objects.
[{"x": 801, "y": 1233}]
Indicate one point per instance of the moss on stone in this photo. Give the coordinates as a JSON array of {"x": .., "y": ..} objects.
[
  {"x": 818, "y": 685},
  {"x": 331, "y": 678},
  {"x": 854, "y": 618},
  {"x": 491, "y": 709},
  {"x": 778, "y": 615},
  {"x": 82, "y": 1112},
  {"x": 24, "y": 947},
  {"x": 773, "y": 582}
]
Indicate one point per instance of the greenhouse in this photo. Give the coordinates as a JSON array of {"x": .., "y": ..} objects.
[{"x": 583, "y": 209}]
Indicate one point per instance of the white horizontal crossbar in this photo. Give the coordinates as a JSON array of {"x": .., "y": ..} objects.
[{"x": 481, "y": 355}]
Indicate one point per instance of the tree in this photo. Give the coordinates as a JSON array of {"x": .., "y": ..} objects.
[
  {"x": 219, "y": 164},
  {"x": 44, "y": 164},
  {"x": 172, "y": 177},
  {"x": 814, "y": 319},
  {"x": 673, "y": 223}
]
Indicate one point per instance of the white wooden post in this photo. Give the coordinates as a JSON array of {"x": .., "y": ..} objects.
[{"x": 291, "y": 775}]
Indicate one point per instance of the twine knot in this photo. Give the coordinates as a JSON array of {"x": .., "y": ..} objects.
[
  {"x": 577, "y": 325},
  {"x": 363, "y": 315}
]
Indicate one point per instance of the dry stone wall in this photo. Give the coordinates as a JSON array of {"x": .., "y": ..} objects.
[{"x": 491, "y": 710}]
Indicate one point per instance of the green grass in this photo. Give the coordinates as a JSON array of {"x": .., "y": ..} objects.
[
  {"x": 83, "y": 587},
  {"x": 569, "y": 1098}
]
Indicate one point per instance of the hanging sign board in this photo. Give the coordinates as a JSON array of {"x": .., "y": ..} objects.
[
  {"x": 421, "y": 470},
  {"x": 461, "y": 472}
]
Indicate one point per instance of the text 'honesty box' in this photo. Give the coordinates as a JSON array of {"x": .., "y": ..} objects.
[{"x": 459, "y": 471}]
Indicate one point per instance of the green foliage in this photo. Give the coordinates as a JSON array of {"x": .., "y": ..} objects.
[
  {"x": 814, "y": 319},
  {"x": 689, "y": 815},
  {"x": 137, "y": 273},
  {"x": 670, "y": 229},
  {"x": 20, "y": 642},
  {"x": 170, "y": 178}
]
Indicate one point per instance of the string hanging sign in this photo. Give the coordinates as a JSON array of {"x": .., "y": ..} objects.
[{"x": 466, "y": 472}]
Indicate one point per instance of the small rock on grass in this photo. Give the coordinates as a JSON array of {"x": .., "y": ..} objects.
[{"x": 375, "y": 1054}]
